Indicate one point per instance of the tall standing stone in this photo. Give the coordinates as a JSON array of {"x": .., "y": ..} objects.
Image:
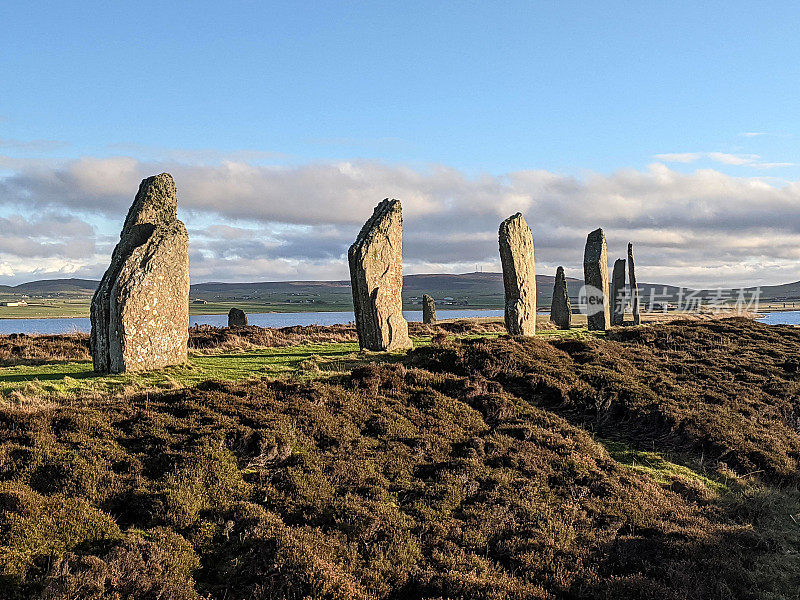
[
  {"x": 428, "y": 309},
  {"x": 519, "y": 275},
  {"x": 140, "y": 311},
  {"x": 237, "y": 318},
  {"x": 560, "y": 309},
  {"x": 634, "y": 287},
  {"x": 376, "y": 275},
  {"x": 618, "y": 292},
  {"x": 595, "y": 275}
]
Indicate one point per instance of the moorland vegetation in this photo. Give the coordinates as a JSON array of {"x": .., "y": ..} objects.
[{"x": 651, "y": 462}]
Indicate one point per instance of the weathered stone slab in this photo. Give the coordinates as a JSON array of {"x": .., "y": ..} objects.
[
  {"x": 560, "y": 308},
  {"x": 237, "y": 318},
  {"x": 140, "y": 311},
  {"x": 633, "y": 286},
  {"x": 595, "y": 275},
  {"x": 618, "y": 292},
  {"x": 519, "y": 275},
  {"x": 428, "y": 309},
  {"x": 376, "y": 275}
]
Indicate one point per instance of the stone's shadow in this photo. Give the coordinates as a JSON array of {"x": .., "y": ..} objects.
[
  {"x": 231, "y": 365},
  {"x": 264, "y": 354},
  {"x": 53, "y": 376},
  {"x": 709, "y": 564}
]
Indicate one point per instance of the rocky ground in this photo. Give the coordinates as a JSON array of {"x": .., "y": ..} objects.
[{"x": 652, "y": 462}]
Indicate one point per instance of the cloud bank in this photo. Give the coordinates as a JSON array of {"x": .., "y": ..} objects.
[{"x": 253, "y": 222}]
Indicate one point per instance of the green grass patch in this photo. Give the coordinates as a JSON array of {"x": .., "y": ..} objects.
[
  {"x": 46, "y": 309},
  {"x": 77, "y": 378},
  {"x": 663, "y": 471},
  {"x": 73, "y": 379}
]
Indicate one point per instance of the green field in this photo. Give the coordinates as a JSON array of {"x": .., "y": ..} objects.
[
  {"x": 46, "y": 308},
  {"x": 42, "y": 309},
  {"x": 260, "y": 306},
  {"x": 26, "y": 382}
]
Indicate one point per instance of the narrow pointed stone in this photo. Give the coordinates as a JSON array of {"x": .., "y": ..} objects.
[
  {"x": 560, "y": 309},
  {"x": 376, "y": 275},
  {"x": 519, "y": 275},
  {"x": 618, "y": 292},
  {"x": 428, "y": 309},
  {"x": 140, "y": 311},
  {"x": 633, "y": 286},
  {"x": 595, "y": 275}
]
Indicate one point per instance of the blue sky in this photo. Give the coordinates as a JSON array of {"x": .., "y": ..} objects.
[{"x": 578, "y": 90}]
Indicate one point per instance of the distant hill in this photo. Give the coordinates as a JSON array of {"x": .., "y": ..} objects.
[
  {"x": 480, "y": 290},
  {"x": 420, "y": 283},
  {"x": 52, "y": 286},
  {"x": 784, "y": 291},
  {"x": 58, "y": 285}
]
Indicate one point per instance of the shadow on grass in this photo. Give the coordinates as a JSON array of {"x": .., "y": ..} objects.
[
  {"x": 268, "y": 354},
  {"x": 340, "y": 365},
  {"x": 751, "y": 553},
  {"x": 48, "y": 375}
]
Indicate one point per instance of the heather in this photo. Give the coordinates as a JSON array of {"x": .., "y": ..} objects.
[{"x": 652, "y": 462}]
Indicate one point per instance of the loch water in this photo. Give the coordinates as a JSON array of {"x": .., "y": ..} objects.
[
  {"x": 785, "y": 317},
  {"x": 83, "y": 325}
]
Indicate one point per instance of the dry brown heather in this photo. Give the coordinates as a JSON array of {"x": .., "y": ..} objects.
[
  {"x": 21, "y": 349},
  {"x": 213, "y": 338},
  {"x": 467, "y": 472}
]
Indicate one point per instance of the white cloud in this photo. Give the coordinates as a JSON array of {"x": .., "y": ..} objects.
[
  {"x": 750, "y": 160},
  {"x": 773, "y": 165},
  {"x": 733, "y": 159},
  {"x": 269, "y": 222}
]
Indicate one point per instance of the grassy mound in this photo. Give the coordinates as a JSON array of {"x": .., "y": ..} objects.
[{"x": 470, "y": 470}]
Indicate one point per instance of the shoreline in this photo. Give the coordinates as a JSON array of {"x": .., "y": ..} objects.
[
  {"x": 653, "y": 316},
  {"x": 253, "y": 312}
]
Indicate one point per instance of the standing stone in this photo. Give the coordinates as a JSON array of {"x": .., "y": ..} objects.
[
  {"x": 237, "y": 318},
  {"x": 595, "y": 276},
  {"x": 634, "y": 287},
  {"x": 618, "y": 292},
  {"x": 428, "y": 309},
  {"x": 140, "y": 311},
  {"x": 376, "y": 275},
  {"x": 560, "y": 309},
  {"x": 519, "y": 275}
]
